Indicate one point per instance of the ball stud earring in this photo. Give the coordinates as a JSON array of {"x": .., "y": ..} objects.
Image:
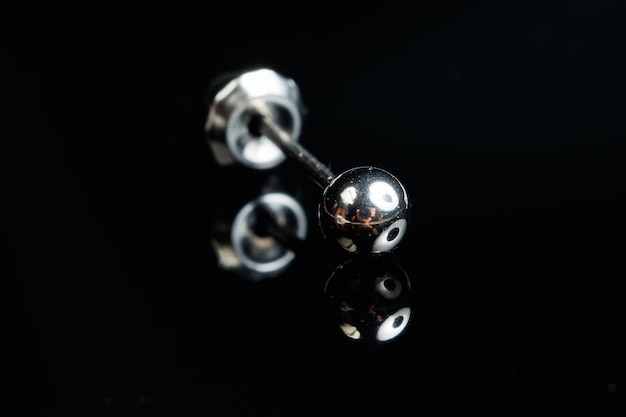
[{"x": 255, "y": 119}]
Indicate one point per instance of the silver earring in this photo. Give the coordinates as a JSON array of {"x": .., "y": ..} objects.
[{"x": 255, "y": 119}]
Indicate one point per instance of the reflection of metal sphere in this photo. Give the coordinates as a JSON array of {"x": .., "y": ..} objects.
[
  {"x": 365, "y": 210},
  {"x": 369, "y": 300}
]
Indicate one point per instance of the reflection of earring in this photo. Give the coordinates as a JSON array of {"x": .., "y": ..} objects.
[
  {"x": 241, "y": 243},
  {"x": 255, "y": 119},
  {"x": 369, "y": 300}
]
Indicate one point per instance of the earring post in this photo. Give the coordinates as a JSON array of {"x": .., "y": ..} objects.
[{"x": 321, "y": 174}]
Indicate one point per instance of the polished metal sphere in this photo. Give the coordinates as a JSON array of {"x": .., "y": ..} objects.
[
  {"x": 369, "y": 301},
  {"x": 365, "y": 209}
]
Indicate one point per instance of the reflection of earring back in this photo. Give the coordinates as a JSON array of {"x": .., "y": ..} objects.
[{"x": 244, "y": 248}]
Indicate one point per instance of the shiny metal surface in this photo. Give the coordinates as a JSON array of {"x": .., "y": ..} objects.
[
  {"x": 257, "y": 256},
  {"x": 369, "y": 301},
  {"x": 228, "y": 126},
  {"x": 256, "y": 119},
  {"x": 319, "y": 172},
  {"x": 365, "y": 209}
]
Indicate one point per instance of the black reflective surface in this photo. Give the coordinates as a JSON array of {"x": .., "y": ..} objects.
[{"x": 504, "y": 121}]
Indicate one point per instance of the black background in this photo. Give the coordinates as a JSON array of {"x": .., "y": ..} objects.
[{"x": 505, "y": 121}]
